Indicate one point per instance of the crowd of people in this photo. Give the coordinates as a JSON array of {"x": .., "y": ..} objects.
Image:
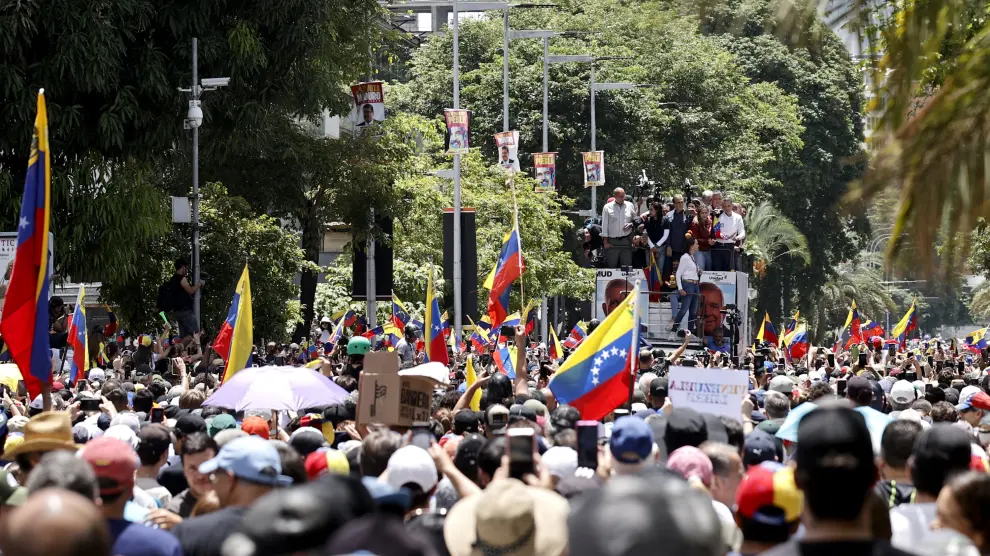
[{"x": 831, "y": 454}]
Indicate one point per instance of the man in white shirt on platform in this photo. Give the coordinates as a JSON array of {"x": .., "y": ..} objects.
[
  {"x": 726, "y": 233},
  {"x": 617, "y": 230}
]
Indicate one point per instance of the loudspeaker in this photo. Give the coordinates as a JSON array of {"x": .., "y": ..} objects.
[
  {"x": 383, "y": 265},
  {"x": 469, "y": 261}
]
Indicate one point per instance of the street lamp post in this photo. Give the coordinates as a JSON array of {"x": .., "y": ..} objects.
[{"x": 194, "y": 119}]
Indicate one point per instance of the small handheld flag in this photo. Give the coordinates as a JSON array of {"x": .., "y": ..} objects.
[
  {"x": 78, "y": 339},
  {"x": 436, "y": 348},
  {"x": 237, "y": 332}
]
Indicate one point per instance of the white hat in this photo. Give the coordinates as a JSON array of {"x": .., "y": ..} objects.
[
  {"x": 782, "y": 384},
  {"x": 97, "y": 374},
  {"x": 411, "y": 464},
  {"x": 124, "y": 434},
  {"x": 913, "y": 415},
  {"x": 560, "y": 461},
  {"x": 128, "y": 419},
  {"x": 969, "y": 391},
  {"x": 903, "y": 392}
]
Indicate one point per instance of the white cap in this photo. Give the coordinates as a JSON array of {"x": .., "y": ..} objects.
[
  {"x": 638, "y": 406},
  {"x": 969, "y": 391},
  {"x": 411, "y": 464},
  {"x": 903, "y": 392},
  {"x": 124, "y": 434},
  {"x": 128, "y": 419},
  {"x": 97, "y": 374},
  {"x": 560, "y": 461}
]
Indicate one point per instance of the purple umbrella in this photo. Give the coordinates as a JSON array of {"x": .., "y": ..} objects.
[{"x": 277, "y": 388}]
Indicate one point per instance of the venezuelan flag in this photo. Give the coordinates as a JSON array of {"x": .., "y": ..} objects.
[
  {"x": 907, "y": 323},
  {"x": 855, "y": 324},
  {"x": 241, "y": 324},
  {"x": 797, "y": 342},
  {"x": 25, "y": 309},
  {"x": 78, "y": 340},
  {"x": 767, "y": 333},
  {"x": 790, "y": 326},
  {"x": 529, "y": 317},
  {"x": 111, "y": 326},
  {"x": 400, "y": 316},
  {"x": 554, "y": 349},
  {"x": 436, "y": 348},
  {"x": 596, "y": 378},
  {"x": 350, "y": 317},
  {"x": 577, "y": 335},
  {"x": 511, "y": 321},
  {"x": 654, "y": 279},
  {"x": 337, "y": 334},
  {"x": 870, "y": 329},
  {"x": 505, "y": 360},
  {"x": 480, "y": 338},
  {"x": 471, "y": 377},
  {"x": 508, "y": 269},
  {"x": 977, "y": 339}
]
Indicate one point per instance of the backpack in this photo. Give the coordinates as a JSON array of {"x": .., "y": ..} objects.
[{"x": 166, "y": 299}]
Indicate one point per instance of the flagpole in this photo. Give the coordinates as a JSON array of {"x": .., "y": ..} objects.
[{"x": 634, "y": 349}]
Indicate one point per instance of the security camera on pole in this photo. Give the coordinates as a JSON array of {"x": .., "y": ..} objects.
[{"x": 194, "y": 119}]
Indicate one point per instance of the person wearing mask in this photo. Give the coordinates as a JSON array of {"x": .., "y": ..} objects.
[
  {"x": 182, "y": 292},
  {"x": 406, "y": 347},
  {"x": 701, "y": 230},
  {"x": 244, "y": 470},
  {"x": 940, "y": 453},
  {"x": 896, "y": 446},
  {"x": 115, "y": 465},
  {"x": 836, "y": 471},
  {"x": 687, "y": 278},
  {"x": 677, "y": 223},
  {"x": 617, "y": 230},
  {"x": 727, "y": 229}
]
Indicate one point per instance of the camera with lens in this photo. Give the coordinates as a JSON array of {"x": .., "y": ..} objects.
[{"x": 732, "y": 316}]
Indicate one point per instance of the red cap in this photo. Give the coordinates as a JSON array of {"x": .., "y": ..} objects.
[
  {"x": 57, "y": 386},
  {"x": 111, "y": 459},
  {"x": 325, "y": 461},
  {"x": 257, "y": 426}
]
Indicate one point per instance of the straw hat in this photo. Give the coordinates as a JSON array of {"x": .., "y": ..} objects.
[
  {"x": 46, "y": 432},
  {"x": 508, "y": 517}
]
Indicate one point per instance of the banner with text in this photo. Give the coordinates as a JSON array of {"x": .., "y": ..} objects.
[
  {"x": 508, "y": 150},
  {"x": 718, "y": 391},
  {"x": 458, "y": 131},
  {"x": 594, "y": 168},
  {"x": 546, "y": 171},
  {"x": 369, "y": 104}
]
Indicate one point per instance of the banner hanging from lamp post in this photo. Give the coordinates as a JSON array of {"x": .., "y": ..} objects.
[
  {"x": 594, "y": 168},
  {"x": 508, "y": 150},
  {"x": 457, "y": 140},
  {"x": 545, "y": 165},
  {"x": 369, "y": 104}
]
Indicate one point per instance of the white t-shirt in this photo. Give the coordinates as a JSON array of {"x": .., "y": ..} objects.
[{"x": 911, "y": 524}]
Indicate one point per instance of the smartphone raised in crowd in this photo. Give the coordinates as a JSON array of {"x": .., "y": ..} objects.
[
  {"x": 421, "y": 435},
  {"x": 831, "y": 360},
  {"x": 840, "y": 387},
  {"x": 521, "y": 445},
  {"x": 862, "y": 359},
  {"x": 587, "y": 440},
  {"x": 157, "y": 415},
  {"x": 89, "y": 404}
]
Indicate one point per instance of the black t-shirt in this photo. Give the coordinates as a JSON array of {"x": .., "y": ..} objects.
[
  {"x": 831, "y": 548},
  {"x": 172, "y": 478},
  {"x": 204, "y": 536},
  {"x": 181, "y": 300},
  {"x": 655, "y": 228}
]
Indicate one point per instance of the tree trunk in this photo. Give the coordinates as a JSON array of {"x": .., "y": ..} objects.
[{"x": 311, "y": 243}]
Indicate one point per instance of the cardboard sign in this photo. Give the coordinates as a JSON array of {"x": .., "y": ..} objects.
[
  {"x": 387, "y": 398},
  {"x": 718, "y": 391}
]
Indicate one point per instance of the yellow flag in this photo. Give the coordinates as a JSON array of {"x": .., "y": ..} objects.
[
  {"x": 242, "y": 339},
  {"x": 472, "y": 377}
]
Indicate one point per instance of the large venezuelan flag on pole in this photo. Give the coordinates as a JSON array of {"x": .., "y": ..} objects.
[
  {"x": 435, "y": 346},
  {"x": 78, "y": 340},
  {"x": 508, "y": 269},
  {"x": 596, "y": 378},
  {"x": 239, "y": 328},
  {"x": 907, "y": 323},
  {"x": 24, "y": 326}
]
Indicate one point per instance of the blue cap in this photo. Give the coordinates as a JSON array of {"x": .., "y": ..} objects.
[
  {"x": 250, "y": 458},
  {"x": 631, "y": 440},
  {"x": 462, "y": 387},
  {"x": 385, "y": 495},
  {"x": 769, "y": 366}
]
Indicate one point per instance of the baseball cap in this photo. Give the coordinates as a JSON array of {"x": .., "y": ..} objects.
[
  {"x": 519, "y": 412},
  {"x": 691, "y": 463},
  {"x": 835, "y": 446},
  {"x": 326, "y": 460},
  {"x": 537, "y": 407},
  {"x": 465, "y": 421},
  {"x": 560, "y": 461},
  {"x": 411, "y": 464},
  {"x": 250, "y": 458},
  {"x": 631, "y": 440},
  {"x": 685, "y": 427},
  {"x": 256, "y": 426},
  {"x": 307, "y": 440},
  {"x": 659, "y": 388},
  {"x": 11, "y": 494},
  {"x": 497, "y": 419},
  {"x": 123, "y": 433},
  {"x": 975, "y": 400},
  {"x": 769, "y": 496},
  {"x": 219, "y": 423},
  {"x": 113, "y": 461},
  {"x": 782, "y": 384},
  {"x": 857, "y": 388},
  {"x": 188, "y": 424},
  {"x": 97, "y": 374},
  {"x": 758, "y": 447},
  {"x": 901, "y": 392}
]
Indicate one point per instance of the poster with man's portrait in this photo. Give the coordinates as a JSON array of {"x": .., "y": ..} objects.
[
  {"x": 508, "y": 150},
  {"x": 612, "y": 285},
  {"x": 457, "y": 140},
  {"x": 545, "y": 165},
  {"x": 369, "y": 104},
  {"x": 594, "y": 168}
]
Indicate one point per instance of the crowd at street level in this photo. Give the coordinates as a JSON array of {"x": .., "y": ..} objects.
[{"x": 828, "y": 454}]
